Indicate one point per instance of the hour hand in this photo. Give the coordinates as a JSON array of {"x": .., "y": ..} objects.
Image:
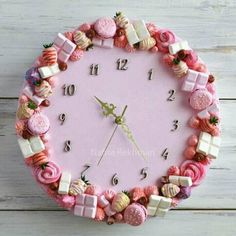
[{"x": 108, "y": 109}]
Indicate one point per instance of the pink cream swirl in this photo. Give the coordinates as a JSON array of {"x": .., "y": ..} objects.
[
  {"x": 193, "y": 169},
  {"x": 50, "y": 174},
  {"x": 164, "y": 38}
]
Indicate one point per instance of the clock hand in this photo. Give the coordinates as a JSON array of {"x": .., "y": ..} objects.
[
  {"x": 129, "y": 135},
  {"x": 108, "y": 109},
  {"x": 118, "y": 121}
]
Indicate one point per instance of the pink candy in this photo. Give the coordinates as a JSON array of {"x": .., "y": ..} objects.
[
  {"x": 105, "y": 27},
  {"x": 173, "y": 170},
  {"x": 50, "y": 174},
  {"x": 200, "y": 99},
  {"x": 38, "y": 124},
  {"x": 193, "y": 169}
]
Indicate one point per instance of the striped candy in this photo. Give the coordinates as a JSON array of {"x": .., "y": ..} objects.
[{"x": 49, "y": 55}]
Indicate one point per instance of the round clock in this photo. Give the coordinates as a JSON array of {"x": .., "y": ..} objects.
[{"x": 118, "y": 120}]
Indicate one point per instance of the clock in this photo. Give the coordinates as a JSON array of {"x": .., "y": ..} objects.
[{"x": 118, "y": 120}]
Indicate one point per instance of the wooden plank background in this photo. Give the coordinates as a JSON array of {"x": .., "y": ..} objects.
[{"x": 25, "y": 25}]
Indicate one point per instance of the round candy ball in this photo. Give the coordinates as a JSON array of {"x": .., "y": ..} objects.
[
  {"x": 200, "y": 99},
  {"x": 135, "y": 214}
]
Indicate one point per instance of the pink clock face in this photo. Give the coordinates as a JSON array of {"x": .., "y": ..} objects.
[{"x": 157, "y": 114}]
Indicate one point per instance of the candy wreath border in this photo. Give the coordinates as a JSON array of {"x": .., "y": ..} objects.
[{"x": 134, "y": 206}]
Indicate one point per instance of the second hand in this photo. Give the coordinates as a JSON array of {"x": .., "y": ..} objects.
[{"x": 118, "y": 121}]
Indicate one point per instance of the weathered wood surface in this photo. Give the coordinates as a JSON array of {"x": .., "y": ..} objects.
[{"x": 209, "y": 26}]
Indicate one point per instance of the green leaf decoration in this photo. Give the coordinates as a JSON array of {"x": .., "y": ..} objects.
[
  {"x": 126, "y": 193},
  {"x": 32, "y": 105},
  {"x": 85, "y": 180},
  {"x": 47, "y": 45},
  {"x": 38, "y": 83},
  {"x": 118, "y": 14},
  {"x": 214, "y": 120},
  {"x": 176, "y": 61},
  {"x": 44, "y": 165}
]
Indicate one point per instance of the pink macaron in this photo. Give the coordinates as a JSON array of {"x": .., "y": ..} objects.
[
  {"x": 105, "y": 27},
  {"x": 135, "y": 214},
  {"x": 200, "y": 99},
  {"x": 38, "y": 124}
]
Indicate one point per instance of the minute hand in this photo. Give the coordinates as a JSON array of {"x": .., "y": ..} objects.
[{"x": 129, "y": 135}]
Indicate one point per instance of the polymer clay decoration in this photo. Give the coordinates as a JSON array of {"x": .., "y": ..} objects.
[{"x": 118, "y": 120}]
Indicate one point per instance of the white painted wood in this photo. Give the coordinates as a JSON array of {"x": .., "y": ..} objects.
[
  {"x": 208, "y": 25},
  {"x": 194, "y": 223}
]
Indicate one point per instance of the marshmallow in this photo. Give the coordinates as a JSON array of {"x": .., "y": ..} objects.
[
  {"x": 136, "y": 32},
  {"x": 211, "y": 110},
  {"x": 64, "y": 47},
  {"x": 183, "y": 181},
  {"x": 158, "y": 205},
  {"x": 28, "y": 92},
  {"x": 64, "y": 184},
  {"x": 106, "y": 43},
  {"x": 176, "y": 47},
  {"x": 208, "y": 145},
  {"x": 30, "y": 147},
  {"x": 48, "y": 71},
  {"x": 102, "y": 201},
  {"x": 194, "y": 80},
  {"x": 108, "y": 210},
  {"x": 86, "y": 205}
]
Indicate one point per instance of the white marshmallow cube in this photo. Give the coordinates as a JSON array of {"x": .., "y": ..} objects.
[
  {"x": 176, "y": 47},
  {"x": 64, "y": 184},
  {"x": 141, "y": 30},
  {"x": 48, "y": 71},
  {"x": 131, "y": 34},
  {"x": 208, "y": 145},
  {"x": 183, "y": 181}
]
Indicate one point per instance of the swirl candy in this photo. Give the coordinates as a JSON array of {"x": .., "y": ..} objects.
[
  {"x": 43, "y": 90},
  {"x": 49, "y": 174},
  {"x": 193, "y": 169},
  {"x": 164, "y": 38}
]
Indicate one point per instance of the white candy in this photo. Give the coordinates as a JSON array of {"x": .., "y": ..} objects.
[
  {"x": 106, "y": 43},
  {"x": 30, "y": 147},
  {"x": 184, "y": 181},
  {"x": 141, "y": 29},
  {"x": 158, "y": 205},
  {"x": 208, "y": 145},
  {"x": 131, "y": 35},
  {"x": 48, "y": 71},
  {"x": 64, "y": 184},
  {"x": 176, "y": 47},
  {"x": 28, "y": 92},
  {"x": 136, "y": 32}
]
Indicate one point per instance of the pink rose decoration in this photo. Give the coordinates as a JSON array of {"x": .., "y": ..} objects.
[
  {"x": 164, "y": 38},
  {"x": 191, "y": 58},
  {"x": 193, "y": 169},
  {"x": 50, "y": 174}
]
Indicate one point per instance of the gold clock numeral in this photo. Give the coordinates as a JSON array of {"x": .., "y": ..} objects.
[
  {"x": 115, "y": 179},
  {"x": 67, "y": 147},
  {"x": 69, "y": 90},
  {"x": 175, "y": 125},
  {"x": 62, "y": 118},
  {"x": 94, "y": 69},
  {"x": 122, "y": 64},
  {"x": 165, "y": 153},
  {"x": 86, "y": 167},
  {"x": 144, "y": 173},
  {"x": 171, "y": 97},
  {"x": 150, "y": 74}
]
